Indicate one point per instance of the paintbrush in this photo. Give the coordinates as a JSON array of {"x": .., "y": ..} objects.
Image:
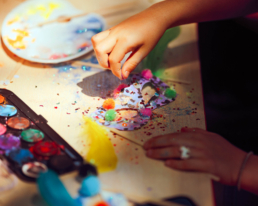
[
  {"x": 81, "y": 63},
  {"x": 121, "y": 134},
  {"x": 107, "y": 11}
]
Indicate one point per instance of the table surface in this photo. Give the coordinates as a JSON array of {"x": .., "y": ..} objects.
[{"x": 44, "y": 87}]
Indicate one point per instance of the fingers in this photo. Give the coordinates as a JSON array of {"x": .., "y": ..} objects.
[
  {"x": 103, "y": 46},
  {"x": 110, "y": 51},
  {"x": 199, "y": 165},
  {"x": 116, "y": 56},
  {"x": 99, "y": 37},
  {"x": 133, "y": 60},
  {"x": 171, "y": 152},
  {"x": 175, "y": 139}
]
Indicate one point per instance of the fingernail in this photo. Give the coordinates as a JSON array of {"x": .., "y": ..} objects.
[
  {"x": 146, "y": 145},
  {"x": 149, "y": 152},
  {"x": 126, "y": 74}
]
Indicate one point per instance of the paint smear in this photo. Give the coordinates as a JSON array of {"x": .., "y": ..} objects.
[
  {"x": 101, "y": 152},
  {"x": 44, "y": 11},
  {"x": 15, "y": 19},
  {"x": 18, "y": 43}
]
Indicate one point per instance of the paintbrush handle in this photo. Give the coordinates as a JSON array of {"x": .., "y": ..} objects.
[
  {"x": 104, "y": 12},
  {"x": 120, "y": 133},
  {"x": 175, "y": 80},
  {"x": 79, "y": 63}
]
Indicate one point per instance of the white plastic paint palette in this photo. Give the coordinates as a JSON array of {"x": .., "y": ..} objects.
[{"x": 52, "y": 43}]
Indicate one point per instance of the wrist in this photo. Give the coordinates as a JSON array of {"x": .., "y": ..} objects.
[{"x": 249, "y": 180}]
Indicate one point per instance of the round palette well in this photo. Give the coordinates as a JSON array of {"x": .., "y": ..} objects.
[
  {"x": 32, "y": 135},
  {"x": 60, "y": 162},
  {"x": 2, "y": 99},
  {"x": 20, "y": 155},
  {"x": 7, "y": 110},
  {"x": 19, "y": 123},
  {"x": 45, "y": 149},
  {"x": 33, "y": 169},
  {"x": 51, "y": 43},
  {"x": 2, "y": 129},
  {"x": 9, "y": 141}
]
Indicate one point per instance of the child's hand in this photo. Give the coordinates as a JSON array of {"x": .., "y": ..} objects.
[
  {"x": 138, "y": 34},
  {"x": 209, "y": 153}
]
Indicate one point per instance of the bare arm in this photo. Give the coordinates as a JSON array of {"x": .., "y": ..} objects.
[
  {"x": 188, "y": 11},
  {"x": 140, "y": 33}
]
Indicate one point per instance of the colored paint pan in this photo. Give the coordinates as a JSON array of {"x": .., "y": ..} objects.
[
  {"x": 20, "y": 156},
  {"x": 2, "y": 99},
  {"x": 33, "y": 169},
  {"x": 9, "y": 141},
  {"x": 7, "y": 111},
  {"x": 60, "y": 162},
  {"x": 18, "y": 123},
  {"x": 32, "y": 135},
  {"x": 45, "y": 149},
  {"x": 2, "y": 129}
]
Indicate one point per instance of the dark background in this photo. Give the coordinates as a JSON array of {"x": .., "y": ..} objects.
[{"x": 229, "y": 64}]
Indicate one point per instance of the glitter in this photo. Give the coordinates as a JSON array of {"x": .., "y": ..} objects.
[{"x": 85, "y": 68}]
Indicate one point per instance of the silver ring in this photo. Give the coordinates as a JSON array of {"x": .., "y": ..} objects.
[{"x": 185, "y": 152}]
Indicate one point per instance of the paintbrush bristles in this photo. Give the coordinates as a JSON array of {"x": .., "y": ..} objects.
[
  {"x": 88, "y": 64},
  {"x": 101, "y": 152}
]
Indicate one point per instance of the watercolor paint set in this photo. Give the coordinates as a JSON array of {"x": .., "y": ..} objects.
[{"x": 28, "y": 144}]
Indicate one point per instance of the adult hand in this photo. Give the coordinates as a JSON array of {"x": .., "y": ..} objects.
[
  {"x": 138, "y": 34},
  {"x": 209, "y": 152}
]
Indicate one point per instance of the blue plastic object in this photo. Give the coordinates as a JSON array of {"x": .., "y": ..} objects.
[
  {"x": 90, "y": 186},
  {"x": 53, "y": 191}
]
